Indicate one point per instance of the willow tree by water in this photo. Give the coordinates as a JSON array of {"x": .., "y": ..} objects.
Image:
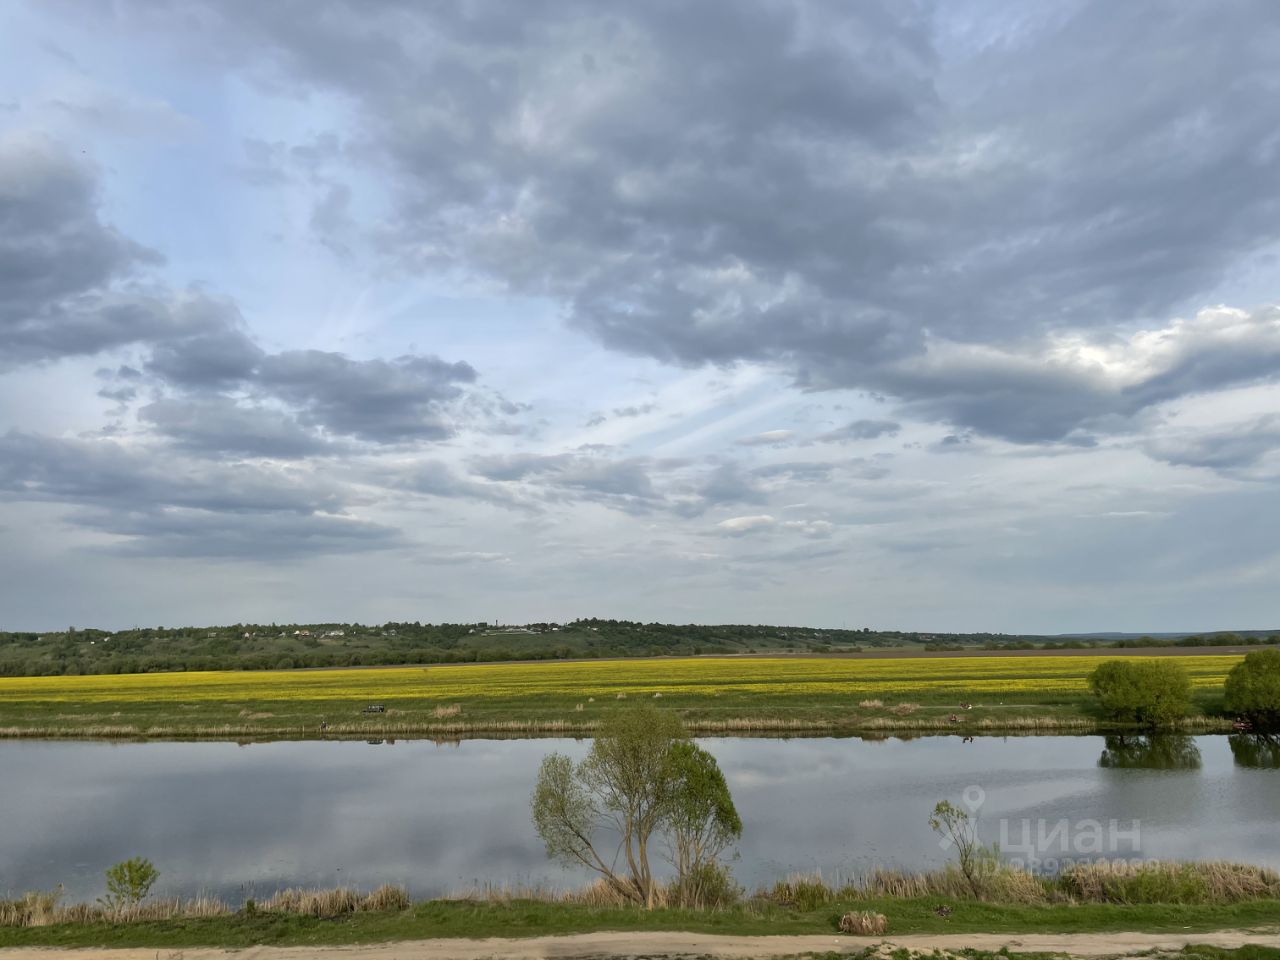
[
  {"x": 701, "y": 825},
  {"x": 640, "y": 781}
]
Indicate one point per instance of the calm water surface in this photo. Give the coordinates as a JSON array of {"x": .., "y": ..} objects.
[{"x": 246, "y": 820}]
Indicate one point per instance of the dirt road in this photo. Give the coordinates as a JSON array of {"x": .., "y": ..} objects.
[{"x": 620, "y": 945}]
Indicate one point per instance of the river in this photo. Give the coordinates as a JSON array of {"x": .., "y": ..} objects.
[{"x": 244, "y": 820}]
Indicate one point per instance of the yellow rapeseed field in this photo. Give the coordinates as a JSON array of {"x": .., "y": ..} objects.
[{"x": 768, "y": 676}]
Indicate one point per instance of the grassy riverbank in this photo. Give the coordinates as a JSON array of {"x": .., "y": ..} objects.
[
  {"x": 520, "y": 918},
  {"x": 1087, "y": 899},
  {"x": 713, "y": 695}
]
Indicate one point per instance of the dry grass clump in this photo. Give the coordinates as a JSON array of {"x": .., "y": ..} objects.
[
  {"x": 906, "y": 709},
  {"x": 505, "y": 893},
  {"x": 340, "y": 901},
  {"x": 600, "y": 894},
  {"x": 49, "y": 733},
  {"x": 997, "y": 883},
  {"x": 42, "y": 909},
  {"x": 1005, "y": 884},
  {"x": 893, "y": 884},
  {"x": 34, "y": 909},
  {"x": 166, "y": 909},
  {"x": 802, "y": 891},
  {"x": 452, "y": 710},
  {"x": 387, "y": 897},
  {"x": 1153, "y": 882},
  {"x": 1096, "y": 882},
  {"x": 948, "y": 882},
  {"x": 757, "y": 723},
  {"x": 871, "y": 704},
  {"x": 864, "y": 923}
]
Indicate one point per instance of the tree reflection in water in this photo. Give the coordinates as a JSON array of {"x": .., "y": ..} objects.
[
  {"x": 1258, "y": 751},
  {"x": 1155, "y": 751}
]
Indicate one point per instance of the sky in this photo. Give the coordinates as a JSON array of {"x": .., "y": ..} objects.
[{"x": 910, "y": 315}]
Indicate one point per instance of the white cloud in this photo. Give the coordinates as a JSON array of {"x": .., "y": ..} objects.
[{"x": 736, "y": 526}]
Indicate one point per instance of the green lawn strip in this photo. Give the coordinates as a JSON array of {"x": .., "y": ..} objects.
[{"x": 529, "y": 918}]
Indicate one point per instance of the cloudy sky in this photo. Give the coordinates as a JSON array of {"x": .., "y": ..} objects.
[{"x": 922, "y": 315}]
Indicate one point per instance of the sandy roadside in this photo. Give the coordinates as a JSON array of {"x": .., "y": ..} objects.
[{"x": 652, "y": 944}]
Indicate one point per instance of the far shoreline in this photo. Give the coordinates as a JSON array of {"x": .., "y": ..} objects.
[{"x": 762, "y": 728}]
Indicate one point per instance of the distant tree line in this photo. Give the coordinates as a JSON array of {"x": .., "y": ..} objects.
[
  {"x": 1201, "y": 640},
  {"x": 244, "y": 646}
]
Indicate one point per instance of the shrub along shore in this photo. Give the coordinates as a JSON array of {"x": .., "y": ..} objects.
[
  {"x": 743, "y": 695},
  {"x": 1087, "y": 897}
]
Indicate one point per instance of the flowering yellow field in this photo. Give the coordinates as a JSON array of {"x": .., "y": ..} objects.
[{"x": 770, "y": 677}]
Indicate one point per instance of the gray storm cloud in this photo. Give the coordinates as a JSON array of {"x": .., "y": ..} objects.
[{"x": 821, "y": 186}]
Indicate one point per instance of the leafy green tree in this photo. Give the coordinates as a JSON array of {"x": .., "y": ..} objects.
[
  {"x": 702, "y": 824},
  {"x": 1253, "y": 688},
  {"x": 640, "y": 780},
  {"x": 129, "y": 882},
  {"x": 1149, "y": 691}
]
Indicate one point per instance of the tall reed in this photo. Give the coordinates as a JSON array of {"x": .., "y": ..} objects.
[{"x": 41, "y": 909}]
